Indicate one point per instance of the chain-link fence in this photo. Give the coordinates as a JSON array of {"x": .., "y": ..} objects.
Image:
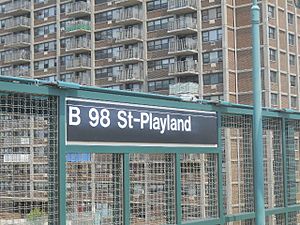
[{"x": 115, "y": 185}]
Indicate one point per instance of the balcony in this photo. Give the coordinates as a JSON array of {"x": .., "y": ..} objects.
[
  {"x": 188, "y": 67},
  {"x": 78, "y": 9},
  {"x": 183, "y": 46},
  {"x": 127, "y": 2},
  {"x": 78, "y": 27},
  {"x": 79, "y": 64},
  {"x": 78, "y": 45},
  {"x": 129, "y": 36},
  {"x": 17, "y": 41},
  {"x": 17, "y": 57},
  {"x": 16, "y": 72},
  {"x": 182, "y": 6},
  {"x": 17, "y": 24},
  {"x": 130, "y": 75},
  {"x": 17, "y": 8},
  {"x": 183, "y": 26},
  {"x": 132, "y": 55},
  {"x": 83, "y": 78},
  {"x": 129, "y": 17},
  {"x": 184, "y": 88}
]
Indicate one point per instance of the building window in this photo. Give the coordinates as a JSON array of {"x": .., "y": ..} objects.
[
  {"x": 45, "y": 47},
  {"x": 210, "y": 79},
  {"x": 159, "y": 85},
  {"x": 45, "y": 13},
  {"x": 291, "y": 39},
  {"x": 293, "y": 81},
  {"x": 272, "y": 32},
  {"x": 293, "y": 102},
  {"x": 211, "y": 14},
  {"x": 157, "y": 4},
  {"x": 274, "y": 99},
  {"x": 107, "y": 53},
  {"x": 212, "y": 57},
  {"x": 45, "y": 64},
  {"x": 292, "y": 60},
  {"x": 212, "y": 35},
  {"x": 273, "y": 77},
  {"x": 291, "y": 18},
  {"x": 272, "y": 54},
  {"x": 159, "y": 24},
  {"x": 271, "y": 11},
  {"x": 48, "y": 29},
  {"x": 160, "y": 64},
  {"x": 108, "y": 72},
  {"x": 109, "y": 34},
  {"x": 160, "y": 44}
]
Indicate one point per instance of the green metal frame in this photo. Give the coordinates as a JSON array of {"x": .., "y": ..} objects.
[{"x": 75, "y": 91}]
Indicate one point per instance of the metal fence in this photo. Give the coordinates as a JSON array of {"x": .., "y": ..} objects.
[{"x": 44, "y": 181}]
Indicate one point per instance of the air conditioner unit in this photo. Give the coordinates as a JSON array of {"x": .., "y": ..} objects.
[
  {"x": 109, "y": 78},
  {"x": 46, "y": 19},
  {"x": 109, "y": 3},
  {"x": 109, "y": 22},
  {"x": 212, "y": 21},
  {"x": 46, "y": 53},
  {"x": 211, "y": 1},
  {"x": 45, "y": 70},
  {"x": 212, "y": 43},
  {"x": 109, "y": 60},
  {"x": 45, "y": 35},
  {"x": 214, "y": 86},
  {"x": 212, "y": 65}
]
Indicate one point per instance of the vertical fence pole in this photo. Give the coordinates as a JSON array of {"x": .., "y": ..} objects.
[
  {"x": 62, "y": 161},
  {"x": 178, "y": 189},
  {"x": 126, "y": 189},
  {"x": 220, "y": 174},
  {"x": 257, "y": 118},
  {"x": 284, "y": 159}
]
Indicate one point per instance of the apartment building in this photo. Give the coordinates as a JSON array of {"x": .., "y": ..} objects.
[{"x": 162, "y": 46}]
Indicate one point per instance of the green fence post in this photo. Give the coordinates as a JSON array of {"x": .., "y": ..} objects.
[
  {"x": 220, "y": 174},
  {"x": 284, "y": 158},
  {"x": 126, "y": 189},
  {"x": 257, "y": 118},
  {"x": 178, "y": 189},
  {"x": 62, "y": 160}
]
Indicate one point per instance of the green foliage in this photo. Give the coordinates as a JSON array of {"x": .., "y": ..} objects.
[{"x": 35, "y": 214}]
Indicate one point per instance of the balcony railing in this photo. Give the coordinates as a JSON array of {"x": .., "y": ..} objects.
[
  {"x": 183, "y": 45},
  {"x": 132, "y": 53},
  {"x": 17, "y": 23},
  {"x": 127, "y": 15},
  {"x": 78, "y": 44},
  {"x": 16, "y": 72},
  {"x": 18, "y": 7},
  {"x": 129, "y": 34},
  {"x": 78, "y": 25},
  {"x": 78, "y": 8},
  {"x": 16, "y": 40},
  {"x": 182, "y": 24},
  {"x": 184, "y": 88},
  {"x": 182, "y": 4},
  {"x": 129, "y": 75},
  {"x": 79, "y": 63},
  {"x": 83, "y": 78},
  {"x": 183, "y": 67},
  {"x": 20, "y": 55}
]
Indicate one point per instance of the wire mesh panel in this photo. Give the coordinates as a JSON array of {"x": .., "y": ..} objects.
[
  {"x": 94, "y": 189},
  {"x": 199, "y": 175},
  {"x": 237, "y": 164},
  {"x": 278, "y": 219},
  {"x": 293, "y": 218},
  {"x": 273, "y": 163},
  {"x": 28, "y": 159},
  {"x": 152, "y": 189},
  {"x": 293, "y": 161}
]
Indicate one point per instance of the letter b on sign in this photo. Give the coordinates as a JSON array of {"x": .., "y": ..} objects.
[{"x": 74, "y": 116}]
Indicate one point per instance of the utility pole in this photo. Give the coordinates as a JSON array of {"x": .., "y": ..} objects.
[{"x": 258, "y": 153}]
